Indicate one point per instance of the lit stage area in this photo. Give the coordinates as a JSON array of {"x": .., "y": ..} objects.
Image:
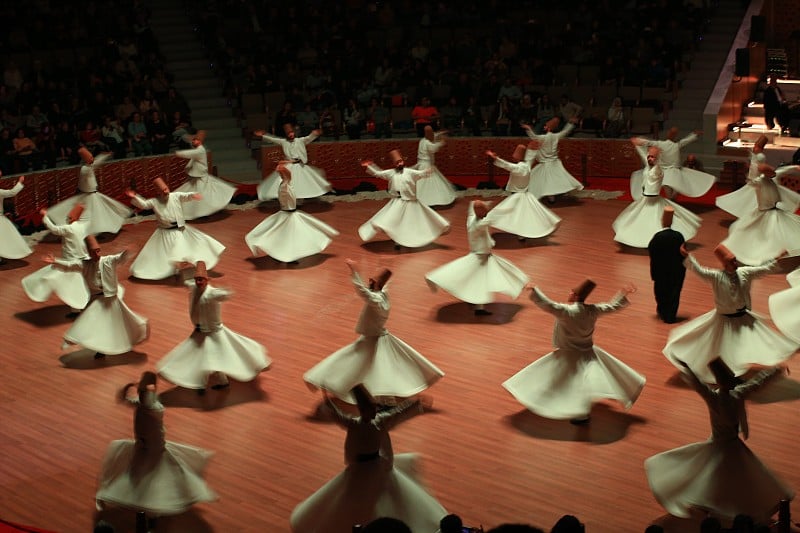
[{"x": 483, "y": 455}]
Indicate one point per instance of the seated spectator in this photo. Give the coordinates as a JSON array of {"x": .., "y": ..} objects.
[
  {"x": 424, "y": 114},
  {"x": 568, "y": 524},
  {"x": 544, "y": 112},
  {"x": 451, "y": 116},
  {"x": 148, "y": 104},
  {"x": 138, "y": 137},
  {"x": 616, "y": 123},
  {"x": 25, "y": 151},
  {"x": 46, "y": 142},
  {"x": 160, "y": 134},
  {"x": 180, "y": 126},
  {"x": 112, "y": 136},
  {"x": 7, "y": 153},
  {"x": 89, "y": 136},
  {"x": 307, "y": 120},
  {"x": 35, "y": 120},
  {"x": 451, "y": 524},
  {"x": 386, "y": 525},
  {"x": 352, "y": 119},
  {"x": 125, "y": 110},
  {"x": 328, "y": 124},
  {"x": 501, "y": 118},
  {"x": 381, "y": 118},
  {"x": 66, "y": 143},
  {"x": 525, "y": 114},
  {"x": 472, "y": 117},
  {"x": 510, "y": 91},
  {"x": 568, "y": 110}
]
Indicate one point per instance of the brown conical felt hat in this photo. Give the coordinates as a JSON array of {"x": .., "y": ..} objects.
[
  {"x": 200, "y": 136},
  {"x": 724, "y": 254},
  {"x": 91, "y": 243},
  {"x": 382, "y": 277},
  {"x": 288, "y": 128},
  {"x": 284, "y": 172},
  {"x": 200, "y": 270},
  {"x": 552, "y": 123},
  {"x": 75, "y": 213},
  {"x": 666, "y": 217},
  {"x": 396, "y": 156},
  {"x": 519, "y": 152},
  {"x": 583, "y": 290},
  {"x": 148, "y": 378},
  {"x": 85, "y": 155},
  {"x": 653, "y": 150},
  {"x": 160, "y": 184},
  {"x": 429, "y": 133},
  {"x": 760, "y": 143}
]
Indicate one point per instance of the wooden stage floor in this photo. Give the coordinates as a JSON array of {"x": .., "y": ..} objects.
[{"x": 483, "y": 455}]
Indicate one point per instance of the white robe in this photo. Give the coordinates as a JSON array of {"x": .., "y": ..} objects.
[
  {"x": 784, "y": 307},
  {"x": 12, "y": 244},
  {"x": 435, "y": 189},
  {"x": 549, "y": 177},
  {"x": 475, "y": 277},
  {"x": 212, "y": 348},
  {"x": 406, "y": 220},
  {"x": 68, "y": 284},
  {"x": 638, "y": 222},
  {"x": 375, "y": 483},
  {"x": 766, "y": 231},
  {"x": 152, "y": 474},
  {"x": 102, "y": 213},
  {"x": 564, "y": 383},
  {"x": 384, "y": 364},
  {"x": 522, "y": 213},
  {"x": 216, "y": 193},
  {"x": 107, "y": 325},
  {"x": 308, "y": 181},
  {"x": 720, "y": 476},
  {"x": 289, "y": 234},
  {"x": 741, "y": 341},
  {"x": 173, "y": 241},
  {"x": 743, "y": 201},
  {"x": 687, "y": 181}
]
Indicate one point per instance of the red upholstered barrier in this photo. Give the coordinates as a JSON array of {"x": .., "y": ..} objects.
[{"x": 461, "y": 157}]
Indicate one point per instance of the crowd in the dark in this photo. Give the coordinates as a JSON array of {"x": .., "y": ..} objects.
[
  {"x": 91, "y": 76},
  {"x": 487, "y": 67}
]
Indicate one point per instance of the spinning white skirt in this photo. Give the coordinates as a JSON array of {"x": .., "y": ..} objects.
[
  {"x": 550, "y": 178},
  {"x": 190, "y": 364},
  {"x": 12, "y": 244},
  {"x": 638, "y": 222},
  {"x": 103, "y": 214},
  {"x": 290, "y": 235},
  {"x": 163, "y": 482},
  {"x": 434, "y": 189},
  {"x": 522, "y": 214},
  {"x": 409, "y": 223},
  {"x": 719, "y": 476},
  {"x": 168, "y": 247},
  {"x": 385, "y": 365},
  {"x": 784, "y": 307},
  {"x": 688, "y": 181},
  {"x": 307, "y": 182},
  {"x": 366, "y": 491},
  {"x": 563, "y": 384},
  {"x": 740, "y": 342},
  {"x": 475, "y": 278},
  {"x": 216, "y": 193},
  {"x": 637, "y": 178},
  {"x": 68, "y": 285},
  {"x": 108, "y": 326},
  {"x": 743, "y": 201},
  {"x": 762, "y": 235}
]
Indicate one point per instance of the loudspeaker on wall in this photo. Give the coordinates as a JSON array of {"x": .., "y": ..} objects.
[{"x": 742, "y": 62}]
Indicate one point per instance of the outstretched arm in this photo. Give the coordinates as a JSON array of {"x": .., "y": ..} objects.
[{"x": 756, "y": 382}]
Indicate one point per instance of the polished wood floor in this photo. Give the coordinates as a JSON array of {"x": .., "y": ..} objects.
[{"x": 484, "y": 456}]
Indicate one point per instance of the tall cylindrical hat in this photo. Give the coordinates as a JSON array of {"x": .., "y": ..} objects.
[
  {"x": 382, "y": 277},
  {"x": 85, "y": 155},
  {"x": 429, "y": 133},
  {"x": 200, "y": 136},
  {"x": 91, "y": 243},
  {"x": 724, "y": 254},
  {"x": 760, "y": 143},
  {"x": 75, "y": 213},
  {"x": 160, "y": 184},
  {"x": 396, "y": 156},
  {"x": 666, "y": 217},
  {"x": 519, "y": 152},
  {"x": 288, "y": 128},
  {"x": 200, "y": 270},
  {"x": 552, "y": 123},
  {"x": 583, "y": 290}
]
